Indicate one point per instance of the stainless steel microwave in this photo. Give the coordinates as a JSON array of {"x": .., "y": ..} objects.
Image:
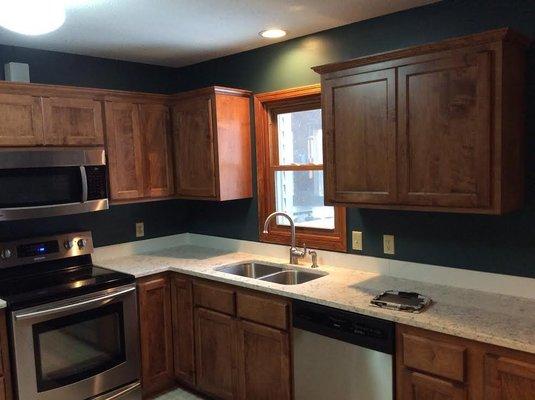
[{"x": 36, "y": 183}]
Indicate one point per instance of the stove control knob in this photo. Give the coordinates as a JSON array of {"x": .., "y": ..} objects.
[
  {"x": 82, "y": 243},
  {"x": 68, "y": 244},
  {"x": 5, "y": 254}
]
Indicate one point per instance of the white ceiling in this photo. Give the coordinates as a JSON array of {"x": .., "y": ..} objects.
[{"x": 183, "y": 32}]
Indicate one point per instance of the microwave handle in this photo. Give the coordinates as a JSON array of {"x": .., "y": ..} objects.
[
  {"x": 80, "y": 304},
  {"x": 83, "y": 176}
]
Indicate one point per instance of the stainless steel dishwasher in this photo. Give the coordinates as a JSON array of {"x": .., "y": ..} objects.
[{"x": 341, "y": 355}]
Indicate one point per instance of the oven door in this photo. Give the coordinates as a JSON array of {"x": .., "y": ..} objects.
[
  {"x": 50, "y": 182},
  {"x": 77, "y": 348}
]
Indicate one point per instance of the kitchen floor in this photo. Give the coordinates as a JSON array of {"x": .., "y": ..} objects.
[{"x": 178, "y": 394}]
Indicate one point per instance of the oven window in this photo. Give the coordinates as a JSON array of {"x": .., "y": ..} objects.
[
  {"x": 26, "y": 187},
  {"x": 78, "y": 346}
]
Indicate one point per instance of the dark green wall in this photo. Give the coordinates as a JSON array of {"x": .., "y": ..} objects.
[
  {"x": 486, "y": 243},
  {"x": 116, "y": 225}
]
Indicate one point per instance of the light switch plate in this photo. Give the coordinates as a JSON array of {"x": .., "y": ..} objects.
[
  {"x": 356, "y": 240},
  {"x": 140, "y": 229},
  {"x": 388, "y": 244}
]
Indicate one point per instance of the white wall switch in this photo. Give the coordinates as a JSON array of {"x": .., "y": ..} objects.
[
  {"x": 140, "y": 229},
  {"x": 356, "y": 240},
  {"x": 388, "y": 244}
]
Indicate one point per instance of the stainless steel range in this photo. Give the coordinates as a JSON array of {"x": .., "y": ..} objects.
[{"x": 74, "y": 326}]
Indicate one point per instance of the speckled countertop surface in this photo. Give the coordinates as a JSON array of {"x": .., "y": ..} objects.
[{"x": 496, "y": 319}]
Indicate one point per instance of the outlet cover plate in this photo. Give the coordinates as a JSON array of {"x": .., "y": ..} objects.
[
  {"x": 356, "y": 240},
  {"x": 389, "y": 244},
  {"x": 140, "y": 229}
]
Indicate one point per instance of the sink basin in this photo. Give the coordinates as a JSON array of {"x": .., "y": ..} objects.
[
  {"x": 251, "y": 270},
  {"x": 290, "y": 277}
]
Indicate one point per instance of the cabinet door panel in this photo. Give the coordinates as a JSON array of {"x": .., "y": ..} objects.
[
  {"x": 194, "y": 143},
  {"x": 264, "y": 363},
  {"x": 360, "y": 138},
  {"x": 183, "y": 337},
  {"x": 155, "y": 334},
  {"x": 508, "y": 379},
  {"x": 22, "y": 120},
  {"x": 124, "y": 150},
  {"x": 215, "y": 353},
  {"x": 445, "y": 132},
  {"x": 73, "y": 122},
  {"x": 418, "y": 386},
  {"x": 155, "y": 126}
]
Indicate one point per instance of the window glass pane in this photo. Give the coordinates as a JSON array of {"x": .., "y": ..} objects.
[
  {"x": 300, "y": 194},
  {"x": 299, "y": 137}
]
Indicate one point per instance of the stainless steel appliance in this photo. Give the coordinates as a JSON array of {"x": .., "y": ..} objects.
[
  {"x": 49, "y": 182},
  {"x": 341, "y": 355},
  {"x": 74, "y": 325}
]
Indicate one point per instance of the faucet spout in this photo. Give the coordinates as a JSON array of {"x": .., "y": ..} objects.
[{"x": 295, "y": 254}]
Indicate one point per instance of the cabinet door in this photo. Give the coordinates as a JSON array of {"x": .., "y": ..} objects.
[
  {"x": 215, "y": 353},
  {"x": 264, "y": 362},
  {"x": 73, "y": 122},
  {"x": 360, "y": 138},
  {"x": 183, "y": 338},
  {"x": 155, "y": 126},
  {"x": 155, "y": 334},
  {"x": 417, "y": 386},
  {"x": 124, "y": 150},
  {"x": 445, "y": 132},
  {"x": 22, "y": 120},
  {"x": 194, "y": 143},
  {"x": 508, "y": 379}
]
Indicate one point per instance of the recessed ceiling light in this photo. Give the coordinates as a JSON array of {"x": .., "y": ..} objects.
[
  {"x": 32, "y": 17},
  {"x": 273, "y": 33}
]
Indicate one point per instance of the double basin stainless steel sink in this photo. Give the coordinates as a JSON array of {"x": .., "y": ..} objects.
[{"x": 270, "y": 273}]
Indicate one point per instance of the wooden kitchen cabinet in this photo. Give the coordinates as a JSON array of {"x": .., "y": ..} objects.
[
  {"x": 156, "y": 333},
  {"x": 438, "y": 127},
  {"x": 431, "y": 365},
  {"x": 72, "y": 122},
  {"x": 6, "y": 391},
  {"x": 22, "y": 120},
  {"x": 264, "y": 362},
  {"x": 212, "y": 144},
  {"x": 216, "y": 355},
  {"x": 183, "y": 331},
  {"x": 125, "y": 157}
]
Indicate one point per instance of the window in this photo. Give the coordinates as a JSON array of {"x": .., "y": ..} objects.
[{"x": 290, "y": 169}]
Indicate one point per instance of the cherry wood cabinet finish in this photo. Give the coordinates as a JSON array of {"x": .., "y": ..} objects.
[
  {"x": 22, "y": 120},
  {"x": 156, "y": 334},
  {"x": 125, "y": 157},
  {"x": 263, "y": 362},
  {"x": 6, "y": 390},
  {"x": 448, "y": 117},
  {"x": 212, "y": 144},
  {"x": 183, "y": 336},
  {"x": 157, "y": 149},
  {"x": 471, "y": 371},
  {"x": 360, "y": 138},
  {"x": 72, "y": 122},
  {"x": 216, "y": 355},
  {"x": 265, "y": 310},
  {"x": 215, "y": 297}
]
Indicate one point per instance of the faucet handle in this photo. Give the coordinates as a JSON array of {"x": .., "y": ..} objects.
[{"x": 314, "y": 256}]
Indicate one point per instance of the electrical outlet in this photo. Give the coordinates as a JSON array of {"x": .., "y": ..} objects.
[
  {"x": 388, "y": 244},
  {"x": 140, "y": 229},
  {"x": 356, "y": 239}
]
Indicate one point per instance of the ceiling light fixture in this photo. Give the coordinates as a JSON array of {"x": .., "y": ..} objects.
[
  {"x": 32, "y": 17},
  {"x": 273, "y": 33}
]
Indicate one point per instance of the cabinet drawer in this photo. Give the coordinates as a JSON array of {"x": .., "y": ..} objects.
[
  {"x": 214, "y": 297},
  {"x": 264, "y": 310},
  {"x": 438, "y": 358}
]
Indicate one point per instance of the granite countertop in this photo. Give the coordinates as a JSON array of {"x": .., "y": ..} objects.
[{"x": 486, "y": 317}]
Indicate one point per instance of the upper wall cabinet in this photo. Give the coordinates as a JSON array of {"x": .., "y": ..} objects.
[
  {"x": 22, "y": 120},
  {"x": 212, "y": 144},
  {"x": 438, "y": 127},
  {"x": 139, "y": 149}
]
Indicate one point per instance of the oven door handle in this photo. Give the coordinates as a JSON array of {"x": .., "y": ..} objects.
[
  {"x": 83, "y": 303},
  {"x": 85, "y": 188}
]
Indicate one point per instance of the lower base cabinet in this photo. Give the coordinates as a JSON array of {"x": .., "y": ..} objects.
[{"x": 434, "y": 366}]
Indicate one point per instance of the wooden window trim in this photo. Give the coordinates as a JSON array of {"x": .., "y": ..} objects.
[{"x": 264, "y": 105}]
